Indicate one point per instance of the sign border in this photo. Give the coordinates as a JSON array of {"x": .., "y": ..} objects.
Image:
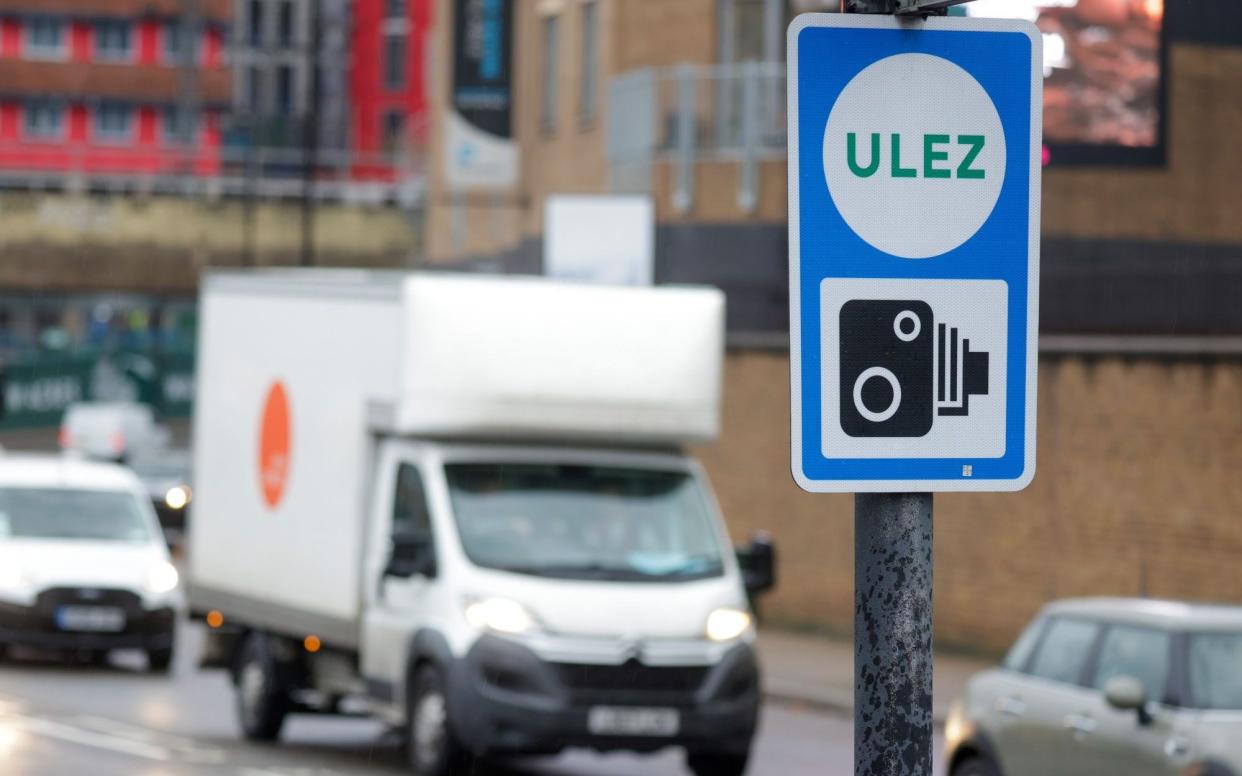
[{"x": 957, "y": 24}]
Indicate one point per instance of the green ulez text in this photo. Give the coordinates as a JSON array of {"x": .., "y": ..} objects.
[{"x": 935, "y": 156}]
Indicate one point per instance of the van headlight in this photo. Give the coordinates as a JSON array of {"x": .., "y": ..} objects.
[
  {"x": 13, "y": 578},
  {"x": 499, "y": 615},
  {"x": 162, "y": 578},
  {"x": 727, "y": 624},
  {"x": 177, "y": 497}
]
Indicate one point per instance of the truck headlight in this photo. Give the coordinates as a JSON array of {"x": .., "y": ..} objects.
[
  {"x": 177, "y": 497},
  {"x": 500, "y": 615},
  {"x": 162, "y": 578},
  {"x": 727, "y": 624}
]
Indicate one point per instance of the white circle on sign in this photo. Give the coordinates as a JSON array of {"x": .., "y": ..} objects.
[
  {"x": 915, "y": 330},
  {"x": 942, "y": 183},
  {"x": 893, "y": 406}
]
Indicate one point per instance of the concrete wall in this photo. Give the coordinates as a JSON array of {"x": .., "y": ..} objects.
[{"x": 1137, "y": 491}]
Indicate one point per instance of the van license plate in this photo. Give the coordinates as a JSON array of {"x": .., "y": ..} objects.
[
  {"x": 628, "y": 721},
  {"x": 96, "y": 619}
]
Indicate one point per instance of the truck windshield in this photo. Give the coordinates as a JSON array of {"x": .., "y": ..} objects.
[
  {"x": 98, "y": 515},
  {"x": 584, "y": 522}
]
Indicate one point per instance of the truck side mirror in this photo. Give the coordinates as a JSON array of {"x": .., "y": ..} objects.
[
  {"x": 1125, "y": 693},
  {"x": 758, "y": 564},
  {"x": 413, "y": 554}
]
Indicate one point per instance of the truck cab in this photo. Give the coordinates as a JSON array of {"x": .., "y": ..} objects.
[{"x": 548, "y": 598}]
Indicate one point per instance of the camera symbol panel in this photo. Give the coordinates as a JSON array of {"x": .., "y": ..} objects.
[{"x": 913, "y": 368}]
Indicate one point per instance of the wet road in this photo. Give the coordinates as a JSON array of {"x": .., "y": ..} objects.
[{"x": 58, "y": 719}]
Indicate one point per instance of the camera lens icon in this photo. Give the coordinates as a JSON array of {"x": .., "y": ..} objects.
[{"x": 900, "y": 369}]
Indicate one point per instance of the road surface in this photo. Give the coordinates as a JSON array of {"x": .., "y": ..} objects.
[{"x": 63, "y": 719}]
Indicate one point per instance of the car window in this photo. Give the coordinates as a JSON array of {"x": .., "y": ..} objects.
[
  {"x": 1063, "y": 652},
  {"x": 1020, "y": 654},
  {"x": 1141, "y": 653},
  {"x": 1215, "y": 670}
]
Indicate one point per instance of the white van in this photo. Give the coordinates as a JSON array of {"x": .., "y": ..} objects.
[
  {"x": 83, "y": 565},
  {"x": 461, "y": 502},
  {"x": 111, "y": 431}
]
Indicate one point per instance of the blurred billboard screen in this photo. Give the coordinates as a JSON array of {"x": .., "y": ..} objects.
[{"x": 1104, "y": 63}]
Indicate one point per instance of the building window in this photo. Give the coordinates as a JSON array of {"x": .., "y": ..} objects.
[
  {"x": 113, "y": 121},
  {"x": 284, "y": 90},
  {"x": 253, "y": 90},
  {"x": 287, "y": 26},
  {"x": 394, "y": 60},
  {"x": 44, "y": 119},
  {"x": 114, "y": 41},
  {"x": 175, "y": 40},
  {"x": 254, "y": 23},
  {"x": 551, "y": 37},
  {"x": 394, "y": 9},
  {"x": 45, "y": 37},
  {"x": 588, "y": 90},
  {"x": 176, "y": 123},
  {"x": 393, "y": 127}
]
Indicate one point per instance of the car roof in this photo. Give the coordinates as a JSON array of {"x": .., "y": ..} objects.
[
  {"x": 64, "y": 471},
  {"x": 1155, "y": 613}
]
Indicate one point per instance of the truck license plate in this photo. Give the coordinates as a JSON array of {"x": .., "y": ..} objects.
[
  {"x": 97, "y": 619},
  {"x": 624, "y": 721}
]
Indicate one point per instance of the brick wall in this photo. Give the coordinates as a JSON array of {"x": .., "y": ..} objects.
[{"x": 1138, "y": 490}]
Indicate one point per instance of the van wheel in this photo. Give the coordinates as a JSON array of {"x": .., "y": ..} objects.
[
  {"x": 433, "y": 748},
  {"x": 718, "y": 764},
  {"x": 976, "y": 766},
  {"x": 262, "y": 700}
]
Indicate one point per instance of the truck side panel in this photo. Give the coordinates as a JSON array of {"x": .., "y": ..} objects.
[{"x": 280, "y": 513}]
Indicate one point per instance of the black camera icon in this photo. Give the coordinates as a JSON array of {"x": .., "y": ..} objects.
[{"x": 900, "y": 369}]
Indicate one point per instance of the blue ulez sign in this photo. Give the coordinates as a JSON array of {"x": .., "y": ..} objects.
[{"x": 914, "y": 174}]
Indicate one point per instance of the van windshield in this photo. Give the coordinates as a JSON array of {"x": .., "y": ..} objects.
[
  {"x": 53, "y": 513},
  {"x": 584, "y": 522}
]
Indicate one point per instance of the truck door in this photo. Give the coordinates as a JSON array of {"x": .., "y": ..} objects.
[{"x": 402, "y": 569}]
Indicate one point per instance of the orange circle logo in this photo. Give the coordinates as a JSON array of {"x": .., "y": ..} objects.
[{"x": 274, "y": 445}]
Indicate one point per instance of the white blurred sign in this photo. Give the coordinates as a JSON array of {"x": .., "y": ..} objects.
[{"x": 599, "y": 239}]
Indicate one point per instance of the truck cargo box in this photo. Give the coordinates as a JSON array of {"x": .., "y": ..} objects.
[{"x": 298, "y": 370}]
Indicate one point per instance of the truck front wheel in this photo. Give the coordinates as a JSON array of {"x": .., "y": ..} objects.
[
  {"x": 262, "y": 700},
  {"x": 433, "y": 748}
]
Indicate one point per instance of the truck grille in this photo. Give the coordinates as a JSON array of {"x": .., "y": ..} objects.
[{"x": 633, "y": 680}]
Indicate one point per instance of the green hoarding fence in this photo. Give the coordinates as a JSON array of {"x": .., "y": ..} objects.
[{"x": 37, "y": 389}]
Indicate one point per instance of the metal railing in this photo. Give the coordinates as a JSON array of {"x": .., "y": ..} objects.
[
  {"x": 694, "y": 113},
  {"x": 225, "y": 171}
]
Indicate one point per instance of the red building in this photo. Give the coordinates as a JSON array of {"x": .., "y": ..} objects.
[
  {"x": 387, "y": 84},
  {"x": 102, "y": 87}
]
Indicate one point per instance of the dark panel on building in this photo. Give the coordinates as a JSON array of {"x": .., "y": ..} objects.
[
  {"x": 1215, "y": 22},
  {"x": 1125, "y": 287}
]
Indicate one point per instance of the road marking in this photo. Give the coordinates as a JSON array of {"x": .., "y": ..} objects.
[
  {"x": 63, "y": 732},
  {"x": 184, "y": 749}
]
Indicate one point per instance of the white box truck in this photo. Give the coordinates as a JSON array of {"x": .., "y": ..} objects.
[{"x": 460, "y": 503}]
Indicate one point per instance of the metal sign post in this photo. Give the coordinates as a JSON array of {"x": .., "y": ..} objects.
[
  {"x": 893, "y": 634},
  {"x": 914, "y": 183}
]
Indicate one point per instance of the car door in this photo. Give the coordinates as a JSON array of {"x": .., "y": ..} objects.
[
  {"x": 398, "y": 603},
  {"x": 1106, "y": 741},
  {"x": 1029, "y": 709}
]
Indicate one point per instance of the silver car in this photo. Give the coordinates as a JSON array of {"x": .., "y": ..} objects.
[{"x": 1104, "y": 686}]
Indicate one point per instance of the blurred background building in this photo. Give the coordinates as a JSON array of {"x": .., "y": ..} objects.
[{"x": 433, "y": 132}]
